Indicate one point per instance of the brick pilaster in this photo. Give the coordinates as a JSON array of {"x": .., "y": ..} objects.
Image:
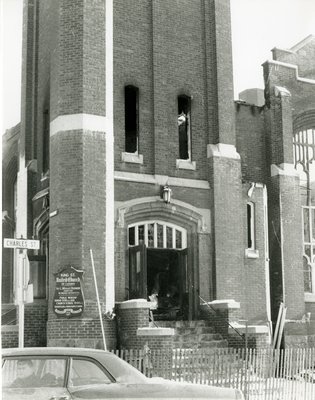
[
  {"x": 285, "y": 223},
  {"x": 80, "y": 137},
  {"x": 227, "y": 222}
]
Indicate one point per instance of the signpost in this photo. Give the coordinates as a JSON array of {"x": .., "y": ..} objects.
[{"x": 23, "y": 289}]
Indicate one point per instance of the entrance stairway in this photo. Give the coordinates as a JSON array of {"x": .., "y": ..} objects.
[{"x": 194, "y": 334}]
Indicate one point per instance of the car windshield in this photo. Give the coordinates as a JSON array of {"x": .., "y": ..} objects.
[{"x": 122, "y": 371}]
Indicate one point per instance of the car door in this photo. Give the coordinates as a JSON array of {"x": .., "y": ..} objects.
[
  {"x": 34, "y": 378},
  {"x": 89, "y": 379}
]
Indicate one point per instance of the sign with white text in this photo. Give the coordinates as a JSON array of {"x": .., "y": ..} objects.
[
  {"x": 21, "y": 244},
  {"x": 68, "y": 298}
]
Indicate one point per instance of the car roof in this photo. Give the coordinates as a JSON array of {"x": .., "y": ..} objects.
[{"x": 48, "y": 351}]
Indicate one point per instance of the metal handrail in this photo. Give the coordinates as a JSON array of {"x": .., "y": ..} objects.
[{"x": 215, "y": 311}]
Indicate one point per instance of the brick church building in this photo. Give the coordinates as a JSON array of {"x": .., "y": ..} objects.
[{"x": 133, "y": 157}]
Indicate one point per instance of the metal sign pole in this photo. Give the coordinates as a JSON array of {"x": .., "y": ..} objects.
[
  {"x": 20, "y": 279},
  {"x": 98, "y": 300},
  {"x": 21, "y": 276}
]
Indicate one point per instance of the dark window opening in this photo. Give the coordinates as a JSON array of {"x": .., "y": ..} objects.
[
  {"x": 131, "y": 119},
  {"x": 183, "y": 120},
  {"x": 46, "y": 138},
  {"x": 250, "y": 226}
]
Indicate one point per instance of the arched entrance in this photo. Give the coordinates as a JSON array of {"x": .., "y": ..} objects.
[{"x": 158, "y": 268}]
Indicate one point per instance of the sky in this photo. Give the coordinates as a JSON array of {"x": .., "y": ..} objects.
[{"x": 257, "y": 27}]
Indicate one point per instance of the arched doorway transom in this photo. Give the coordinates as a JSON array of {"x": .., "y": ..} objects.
[{"x": 157, "y": 234}]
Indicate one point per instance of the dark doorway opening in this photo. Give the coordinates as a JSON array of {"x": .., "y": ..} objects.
[
  {"x": 167, "y": 283},
  {"x": 163, "y": 277}
]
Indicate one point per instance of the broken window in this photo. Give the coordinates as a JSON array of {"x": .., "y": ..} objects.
[
  {"x": 131, "y": 119},
  {"x": 183, "y": 120}
]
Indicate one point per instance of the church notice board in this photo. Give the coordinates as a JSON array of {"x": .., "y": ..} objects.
[{"x": 68, "y": 298}]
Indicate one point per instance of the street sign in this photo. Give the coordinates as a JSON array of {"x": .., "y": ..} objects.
[{"x": 21, "y": 244}]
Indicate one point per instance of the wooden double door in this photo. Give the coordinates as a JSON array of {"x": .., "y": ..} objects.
[{"x": 164, "y": 277}]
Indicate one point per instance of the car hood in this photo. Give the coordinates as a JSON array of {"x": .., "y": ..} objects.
[{"x": 156, "y": 388}]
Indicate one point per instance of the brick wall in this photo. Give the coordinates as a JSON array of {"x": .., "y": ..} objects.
[
  {"x": 129, "y": 320},
  {"x": 220, "y": 320},
  {"x": 302, "y": 57},
  {"x": 228, "y": 228},
  {"x": 161, "y": 50},
  {"x": 35, "y": 319},
  {"x": 256, "y": 269},
  {"x": 83, "y": 332},
  {"x": 251, "y": 141},
  {"x": 9, "y": 336}
]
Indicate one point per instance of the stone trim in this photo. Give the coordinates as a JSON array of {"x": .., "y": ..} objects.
[
  {"x": 292, "y": 66},
  {"x": 161, "y": 180},
  {"x": 229, "y": 304},
  {"x": 251, "y": 329},
  {"x": 152, "y": 207},
  {"x": 309, "y": 297},
  {"x": 282, "y": 92},
  {"x": 186, "y": 164},
  {"x": 155, "y": 332},
  {"x": 132, "y": 158},
  {"x": 302, "y": 43},
  {"x": 285, "y": 169},
  {"x": 9, "y": 328},
  {"x": 222, "y": 150},
  {"x": 73, "y": 122},
  {"x": 135, "y": 303},
  {"x": 250, "y": 253},
  {"x": 106, "y": 125}
]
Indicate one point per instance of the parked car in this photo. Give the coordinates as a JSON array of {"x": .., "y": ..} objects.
[{"x": 76, "y": 373}]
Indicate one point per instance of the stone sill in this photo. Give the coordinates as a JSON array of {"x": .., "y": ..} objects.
[
  {"x": 186, "y": 164},
  {"x": 251, "y": 253},
  {"x": 155, "y": 332},
  {"x": 133, "y": 158},
  {"x": 251, "y": 329},
  {"x": 229, "y": 304},
  {"x": 135, "y": 303},
  {"x": 222, "y": 150},
  {"x": 9, "y": 328},
  {"x": 309, "y": 297}
]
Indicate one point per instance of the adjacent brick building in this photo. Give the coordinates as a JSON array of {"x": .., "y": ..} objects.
[{"x": 131, "y": 145}]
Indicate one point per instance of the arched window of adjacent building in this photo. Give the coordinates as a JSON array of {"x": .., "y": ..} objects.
[
  {"x": 46, "y": 140},
  {"x": 250, "y": 226},
  {"x": 39, "y": 262},
  {"x": 131, "y": 119},
  {"x": 184, "y": 127},
  {"x": 304, "y": 162}
]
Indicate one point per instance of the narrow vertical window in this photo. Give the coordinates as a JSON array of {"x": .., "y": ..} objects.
[
  {"x": 183, "y": 120},
  {"x": 46, "y": 141},
  {"x": 250, "y": 226},
  {"x": 131, "y": 119}
]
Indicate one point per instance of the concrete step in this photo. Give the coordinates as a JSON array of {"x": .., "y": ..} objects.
[
  {"x": 194, "y": 334},
  {"x": 197, "y": 337},
  {"x": 213, "y": 344},
  {"x": 183, "y": 324}
]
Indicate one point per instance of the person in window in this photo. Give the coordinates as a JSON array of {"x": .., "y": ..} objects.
[
  {"x": 25, "y": 375},
  {"x": 49, "y": 380},
  {"x": 182, "y": 122}
]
